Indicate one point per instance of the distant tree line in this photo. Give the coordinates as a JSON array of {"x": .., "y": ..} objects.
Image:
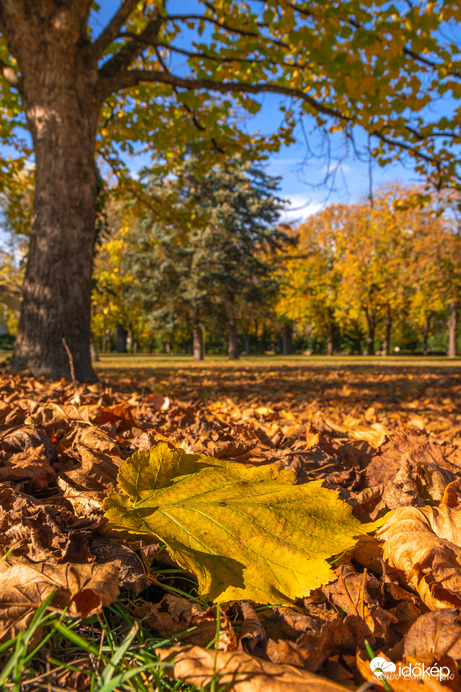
[
  {"x": 207, "y": 266},
  {"x": 200, "y": 262}
]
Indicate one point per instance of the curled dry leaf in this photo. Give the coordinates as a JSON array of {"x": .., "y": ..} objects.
[
  {"x": 240, "y": 672},
  {"x": 252, "y": 635},
  {"x": 357, "y": 594},
  {"x": 313, "y": 648},
  {"x": 425, "y": 544},
  {"x": 27, "y": 436},
  {"x": 132, "y": 570},
  {"x": 83, "y": 589}
]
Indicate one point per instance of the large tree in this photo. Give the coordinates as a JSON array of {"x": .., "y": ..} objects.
[
  {"x": 212, "y": 261},
  {"x": 152, "y": 75}
]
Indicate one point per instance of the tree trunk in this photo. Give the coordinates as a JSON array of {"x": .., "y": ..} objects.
[
  {"x": 287, "y": 339},
  {"x": 426, "y": 333},
  {"x": 232, "y": 336},
  {"x": 197, "y": 341},
  {"x": 246, "y": 343},
  {"x": 387, "y": 331},
  {"x": 61, "y": 106},
  {"x": 331, "y": 339},
  {"x": 452, "y": 329},
  {"x": 371, "y": 321},
  {"x": 122, "y": 335},
  {"x": 94, "y": 353}
]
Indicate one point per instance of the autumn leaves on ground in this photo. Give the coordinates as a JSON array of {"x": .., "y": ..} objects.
[{"x": 288, "y": 571}]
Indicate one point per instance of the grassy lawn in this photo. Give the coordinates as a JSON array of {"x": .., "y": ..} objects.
[{"x": 143, "y": 360}]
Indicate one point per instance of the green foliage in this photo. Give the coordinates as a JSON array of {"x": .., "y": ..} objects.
[
  {"x": 246, "y": 533},
  {"x": 211, "y": 256}
]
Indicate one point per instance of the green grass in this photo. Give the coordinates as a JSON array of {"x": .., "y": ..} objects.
[
  {"x": 143, "y": 360},
  {"x": 113, "y": 651},
  {"x": 110, "y": 652}
]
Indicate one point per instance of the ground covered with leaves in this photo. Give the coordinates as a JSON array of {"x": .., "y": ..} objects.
[{"x": 96, "y": 601}]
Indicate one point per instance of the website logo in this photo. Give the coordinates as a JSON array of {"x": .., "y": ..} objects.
[
  {"x": 382, "y": 668},
  {"x": 386, "y": 670}
]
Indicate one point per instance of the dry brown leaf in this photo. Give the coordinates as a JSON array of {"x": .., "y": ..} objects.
[
  {"x": 240, "y": 672},
  {"x": 253, "y": 637},
  {"x": 23, "y": 438},
  {"x": 96, "y": 440},
  {"x": 133, "y": 574},
  {"x": 31, "y": 468},
  {"x": 425, "y": 544},
  {"x": 174, "y": 615},
  {"x": 83, "y": 589},
  {"x": 44, "y": 532},
  {"x": 438, "y": 632},
  {"x": 357, "y": 594}
]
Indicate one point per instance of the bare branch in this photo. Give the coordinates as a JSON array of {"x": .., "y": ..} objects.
[{"x": 112, "y": 30}]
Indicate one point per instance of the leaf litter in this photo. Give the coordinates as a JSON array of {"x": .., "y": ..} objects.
[{"x": 344, "y": 448}]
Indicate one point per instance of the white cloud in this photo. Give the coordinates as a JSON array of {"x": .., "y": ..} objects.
[
  {"x": 300, "y": 208},
  {"x": 335, "y": 167}
]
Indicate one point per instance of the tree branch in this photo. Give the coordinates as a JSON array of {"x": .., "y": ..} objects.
[
  {"x": 129, "y": 78},
  {"x": 112, "y": 30},
  {"x": 131, "y": 50}
]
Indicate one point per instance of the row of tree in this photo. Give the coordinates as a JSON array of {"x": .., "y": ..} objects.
[
  {"x": 384, "y": 267},
  {"x": 207, "y": 254}
]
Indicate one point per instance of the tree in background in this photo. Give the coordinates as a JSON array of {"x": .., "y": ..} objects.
[
  {"x": 372, "y": 254},
  {"x": 214, "y": 264},
  {"x": 79, "y": 92},
  {"x": 382, "y": 264},
  {"x": 309, "y": 276}
]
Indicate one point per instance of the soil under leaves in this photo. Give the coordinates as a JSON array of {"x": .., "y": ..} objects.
[{"x": 386, "y": 439}]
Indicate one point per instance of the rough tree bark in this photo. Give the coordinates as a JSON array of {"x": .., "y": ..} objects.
[
  {"x": 452, "y": 329},
  {"x": 61, "y": 106},
  {"x": 331, "y": 339},
  {"x": 246, "y": 343},
  {"x": 122, "y": 336}
]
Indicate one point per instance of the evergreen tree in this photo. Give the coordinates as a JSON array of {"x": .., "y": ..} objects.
[{"x": 216, "y": 260}]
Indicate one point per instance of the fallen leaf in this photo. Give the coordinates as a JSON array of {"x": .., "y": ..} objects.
[
  {"x": 425, "y": 544},
  {"x": 252, "y": 635},
  {"x": 246, "y": 533},
  {"x": 438, "y": 632},
  {"x": 31, "y": 468},
  {"x": 175, "y": 616},
  {"x": 83, "y": 589},
  {"x": 240, "y": 672},
  {"x": 44, "y": 532}
]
